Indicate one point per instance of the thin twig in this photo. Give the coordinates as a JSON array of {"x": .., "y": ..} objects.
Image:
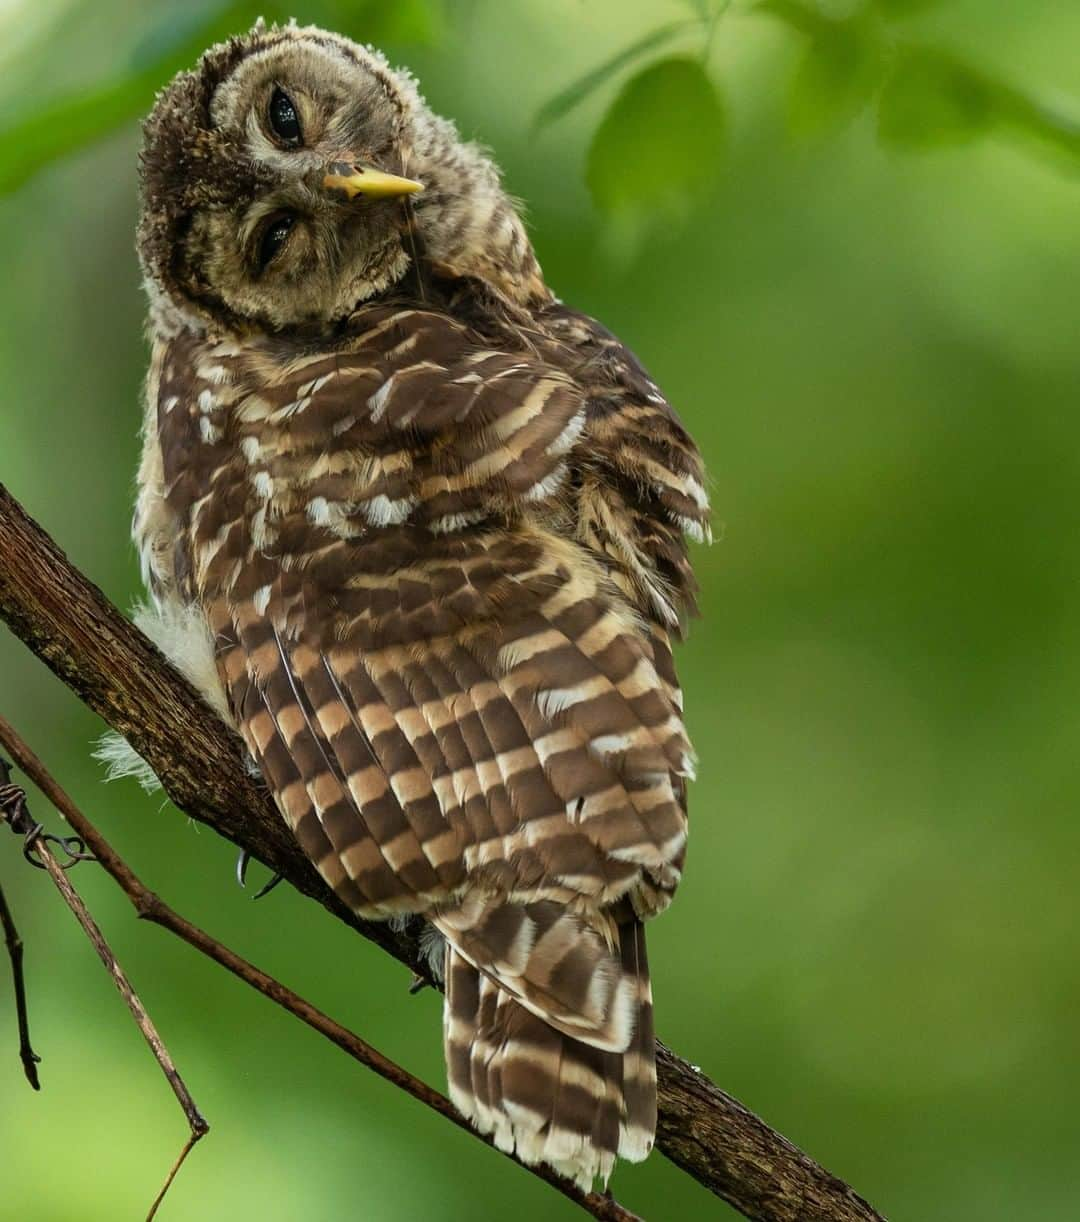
[
  {"x": 189, "y": 1145},
  {"x": 110, "y": 665},
  {"x": 131, "y": 998},
  {"x": 16, "y": 815},
  {"x": 27, "y": 1055},
  {"x": 150, "y": 907}
]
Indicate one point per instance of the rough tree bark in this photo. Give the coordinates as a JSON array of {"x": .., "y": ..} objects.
[{"x": 114, "y": 669}]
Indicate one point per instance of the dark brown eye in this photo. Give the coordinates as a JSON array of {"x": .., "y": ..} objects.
[
  {"x": 274, "y": 238},
  {"x": 284, "y": 119}
]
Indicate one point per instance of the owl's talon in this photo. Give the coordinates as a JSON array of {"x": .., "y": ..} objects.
[
  {"x": 267, "y": 887},
  {"x": 241, "y": 876},
  {"x": 417, "y": 984}
]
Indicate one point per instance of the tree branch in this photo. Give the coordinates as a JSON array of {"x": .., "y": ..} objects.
[{"x": 111, "y": 666}]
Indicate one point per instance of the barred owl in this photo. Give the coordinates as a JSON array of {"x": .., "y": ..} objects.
[{"x": 428, "y": 525}]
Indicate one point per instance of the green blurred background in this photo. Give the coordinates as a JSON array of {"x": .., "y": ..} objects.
[{"x": 875, "y": 344}]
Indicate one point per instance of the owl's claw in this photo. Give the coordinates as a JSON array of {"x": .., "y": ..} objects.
[
  {"x": 241, "y": 876},
  {"x": 267, "y": 887},
  {"x": 417, "y": 983}
]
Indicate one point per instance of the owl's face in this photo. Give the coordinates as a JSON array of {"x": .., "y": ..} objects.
[{"x": 274, "y": 182}]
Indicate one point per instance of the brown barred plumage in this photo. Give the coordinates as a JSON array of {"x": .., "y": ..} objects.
[{"x": 438, "y": 538}]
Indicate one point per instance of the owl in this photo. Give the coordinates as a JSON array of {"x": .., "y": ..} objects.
[{"x": 419, "y": 531}]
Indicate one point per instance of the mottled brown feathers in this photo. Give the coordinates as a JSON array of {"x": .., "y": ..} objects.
[{"x": 439, "y": 541}]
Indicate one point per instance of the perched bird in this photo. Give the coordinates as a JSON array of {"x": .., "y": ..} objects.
[{"x": 418, "y": 530}]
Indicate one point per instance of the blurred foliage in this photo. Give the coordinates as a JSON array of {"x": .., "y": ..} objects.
[
  {"x": 634, "y": 169},
  {"x": 59, "y": 129},
  {"x": 840, "y": 70},
  {"x": 927, "y": 96},
  {"x": 931, "y": 98},
  {"x": 70, "y": 123},
  {"x": 573, "y": 95},
  {"x": 876, "y": 943}
]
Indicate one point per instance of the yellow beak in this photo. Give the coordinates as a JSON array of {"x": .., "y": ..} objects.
[{"x": 365, "y": 180}]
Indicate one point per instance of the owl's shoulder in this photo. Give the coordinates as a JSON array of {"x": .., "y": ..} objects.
[{"x": 641, "y": 488}]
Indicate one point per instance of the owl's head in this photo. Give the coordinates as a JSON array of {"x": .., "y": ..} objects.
[{"x": 292, "y": 176}]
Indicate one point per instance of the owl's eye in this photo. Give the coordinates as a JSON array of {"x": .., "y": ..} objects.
[
  {"x": 274, "y": 238},
  {"x": 284, "y": 119}
]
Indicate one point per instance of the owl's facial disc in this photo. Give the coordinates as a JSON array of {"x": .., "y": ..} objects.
[
  {"x": 280, "y": 190},
  {"x": 329, "y": 134},
  {"x": 284, "y": 201}
]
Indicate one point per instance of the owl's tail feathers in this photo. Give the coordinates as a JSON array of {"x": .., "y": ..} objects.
[{"x": 540, "y": 1092}]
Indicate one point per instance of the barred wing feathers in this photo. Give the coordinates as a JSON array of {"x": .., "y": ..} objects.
[{"x": 642, "y": 481}]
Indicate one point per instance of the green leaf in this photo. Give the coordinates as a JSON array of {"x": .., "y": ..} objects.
[
  {"x": 657, "y": 150},
  {"x": 932, "y": 99},
  {"x": 71, "y": 123},
  {"x": 838, "y": 75},
  {"x": 573, "y": 95},
  {"x": 1023, "y": 116}
]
